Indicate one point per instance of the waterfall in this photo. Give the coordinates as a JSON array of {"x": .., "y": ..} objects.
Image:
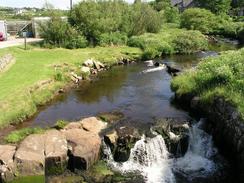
[
  {"x": 197, "y": 162},
  {"x": 150, "y": 157}
]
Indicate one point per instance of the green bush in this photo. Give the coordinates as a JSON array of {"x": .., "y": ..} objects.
[
  {"x": 57, "y": 32},
  {"x": 169, "y": 40},
  {"x": 198, "y": 19},
  {"x": 219, "y": 7},
  {"x": 97, "y": 19},
  {"x": 19, "y": 135},
  {"x": 150, "y": 53},
  {"x": 189, "y": 42},
  {"x": 114, "y": 38},
  {"x": 228, "y": 28}
]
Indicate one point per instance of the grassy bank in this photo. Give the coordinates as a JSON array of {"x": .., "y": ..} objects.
[
  {"x": 35, "y": 77},
  {"x": 221, "y": 76}
]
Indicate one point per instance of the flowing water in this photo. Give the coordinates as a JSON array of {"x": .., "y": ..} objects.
[
  {"x": 140, "y": 94},
  {"x": 150, "y": 158}
]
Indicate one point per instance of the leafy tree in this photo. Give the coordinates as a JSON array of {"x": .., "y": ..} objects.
[
  {"x": 216, "y": 6},
  {"x": 58, "y": 32},
  {"x": 161, "y": 4},
  {"x": 198, "y": 19},
  {"x": 95, "y": 18}
]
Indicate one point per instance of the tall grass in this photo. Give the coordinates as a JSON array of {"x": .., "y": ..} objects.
[{"x": 215, "y": 76}]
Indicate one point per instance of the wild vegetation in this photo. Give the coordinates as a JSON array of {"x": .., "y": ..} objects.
[
  {"x": 168, "y": 41},
  {"x": 220, "y": 76},
  {"x": 209, "y": 23}
]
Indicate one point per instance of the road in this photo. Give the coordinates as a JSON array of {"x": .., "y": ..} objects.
[{"x": 15, "y": 42}]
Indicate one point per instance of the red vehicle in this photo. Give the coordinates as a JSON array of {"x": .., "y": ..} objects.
[{"x": 1, "y": 36}]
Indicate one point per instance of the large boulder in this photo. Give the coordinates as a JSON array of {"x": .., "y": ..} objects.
[
  {"x": 88, "y": 63},
  {"x": 84, "y": 142},
  {"x": 6, "y": 162},
  {"x": 30, "y": 157},
  {"x": 111, "y": 139},
  {"x": 98, "y": 65},
  {"x": 85, "y": 70},
  {"x": 121, "y": 141},
  {"x": 84, "y": 148},
  {"x": 92, "y": 124},
  {"x": 173, "y": 70},
  {"x": 56, "y": 152},
  {"x": 175, "y": 133}
]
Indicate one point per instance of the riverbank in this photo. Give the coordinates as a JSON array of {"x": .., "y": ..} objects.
[
  {"x": 39, "y": 74},
  {"x": 215, "y": 89}
]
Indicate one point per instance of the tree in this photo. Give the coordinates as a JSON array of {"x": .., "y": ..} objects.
[
  {"x": 216, "y": 6},
  {"x": 162, "y": 4},
  {"x": 95, "y": 18},
  {"x": 58, "y": 32},
  {"x": 198, "y": 19}
]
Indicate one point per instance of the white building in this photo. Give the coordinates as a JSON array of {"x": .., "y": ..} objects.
[
  {"x": 36, "y": 21},
  {"x": 3, "y": 29}
]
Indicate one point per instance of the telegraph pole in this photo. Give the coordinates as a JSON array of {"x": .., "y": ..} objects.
[{"x": 71, "y": 5}]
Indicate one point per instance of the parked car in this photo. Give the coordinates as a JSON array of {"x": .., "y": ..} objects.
[{"x": 1, "y": 36}]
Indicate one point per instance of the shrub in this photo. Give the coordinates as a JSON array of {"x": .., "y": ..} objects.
[
  {"x": 228, "y": 28},
  {"x": 115, "y": 38},
  {"x": 189, "y": 42},
  {"x": 136, "y": 41},
  {"x": 150, "y": 53},
  {"x": 57, "y": 32},
  {"x": 96, "y": 18},
  {"x": 216, "y": 6},
  {"x": 198, "y": 19},
  {"x": 171, "y": 15},
  {"x": 168, "y": 41},
  {"x": 152, "y": 44},
  {"x": 19, "y": 135}
]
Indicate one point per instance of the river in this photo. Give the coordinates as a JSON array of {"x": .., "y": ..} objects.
[{"x": 142, "y": 98}]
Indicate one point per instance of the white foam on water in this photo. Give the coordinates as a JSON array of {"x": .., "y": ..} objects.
[
  {"x": 197, "y": 162},
  {"x": 150, "y": 157},
  {"x": 162, "y": 67}
]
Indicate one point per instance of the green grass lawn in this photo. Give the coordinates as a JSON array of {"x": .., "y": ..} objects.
[
  {"x": 20, "y": 93},
  {"x": 221, "y": 76}
]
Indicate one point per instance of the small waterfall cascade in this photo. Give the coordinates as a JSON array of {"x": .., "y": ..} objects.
[
  {"x": 149, "y": 157},
  {"x": 197, "y": 162}
]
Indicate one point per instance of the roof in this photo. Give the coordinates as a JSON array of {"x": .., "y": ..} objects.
[{"x": 185, "y": 3}]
